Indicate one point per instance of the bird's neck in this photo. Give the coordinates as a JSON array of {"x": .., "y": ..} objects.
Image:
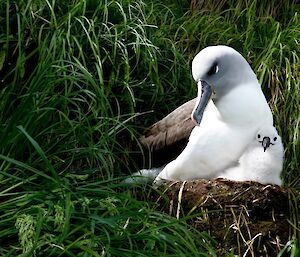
[{"x": 244, "y": 105}]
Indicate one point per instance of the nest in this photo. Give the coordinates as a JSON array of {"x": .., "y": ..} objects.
[{"x": 244, "y": 217}]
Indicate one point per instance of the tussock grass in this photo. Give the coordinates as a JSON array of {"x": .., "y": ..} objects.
[{"x": 76, "y": 77}]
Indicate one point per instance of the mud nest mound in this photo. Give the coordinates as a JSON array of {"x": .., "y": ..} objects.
[{"x": 244, "y": 217}]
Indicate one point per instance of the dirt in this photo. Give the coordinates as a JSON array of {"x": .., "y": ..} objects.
[{"x": 244, "y": 217}]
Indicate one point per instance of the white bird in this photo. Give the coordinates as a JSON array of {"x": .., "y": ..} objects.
[
  {"x": 227, "y": 122},
  {"x": 262, "y": 161},
  {"x": 143, "y": 176}
]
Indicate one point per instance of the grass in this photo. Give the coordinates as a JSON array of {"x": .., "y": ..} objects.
[{"x": 77, "y": 79}]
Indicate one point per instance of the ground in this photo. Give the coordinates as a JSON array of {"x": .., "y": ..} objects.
[{"x": 244, "y": 217}]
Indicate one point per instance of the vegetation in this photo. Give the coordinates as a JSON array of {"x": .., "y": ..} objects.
[{"x": 77, "y": 80}]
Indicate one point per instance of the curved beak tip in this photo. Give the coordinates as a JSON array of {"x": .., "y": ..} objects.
[
  {"x": 196, "y": 118},
  {"x": 193, "y": 120}
]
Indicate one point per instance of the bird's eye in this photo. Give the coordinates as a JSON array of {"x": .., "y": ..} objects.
[
  {"x": 258, "y": 136},
  {"x": 213, "y": 70},
  {"x": 275, "y": 138}
]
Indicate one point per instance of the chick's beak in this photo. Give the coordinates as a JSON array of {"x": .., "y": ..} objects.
[{"x": 266, "y": 143}]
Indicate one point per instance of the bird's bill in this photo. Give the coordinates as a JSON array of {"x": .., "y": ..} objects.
[
  {"x": 204, "y": 95},
  {"x": 266, "y": 143}
]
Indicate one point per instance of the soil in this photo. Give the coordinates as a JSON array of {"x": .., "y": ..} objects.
[{"x": 244, "y": 217}]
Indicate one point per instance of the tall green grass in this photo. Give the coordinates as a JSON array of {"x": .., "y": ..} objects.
[{"x": 77, "y": 79}]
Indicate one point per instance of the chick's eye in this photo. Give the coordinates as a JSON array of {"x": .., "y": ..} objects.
[
  {"x": 275, "y": 138},
  {"x": 258, "y": 136},
  {"x": 213, "y": 70}
]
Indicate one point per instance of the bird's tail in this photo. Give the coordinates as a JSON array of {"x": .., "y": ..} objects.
[{"x": 144, "y": 176}]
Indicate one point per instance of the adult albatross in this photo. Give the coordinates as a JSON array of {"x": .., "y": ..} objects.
[{"x": 228, "y": 111}]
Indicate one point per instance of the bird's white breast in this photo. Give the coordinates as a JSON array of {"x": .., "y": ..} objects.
[
  {"x": 245, "y": 106},
  {"x": 223, "y": 134}
]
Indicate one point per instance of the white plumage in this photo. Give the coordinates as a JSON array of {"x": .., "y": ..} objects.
[
  {"x": 260, "y": 163},
  {"x": 230, "y": 120}
]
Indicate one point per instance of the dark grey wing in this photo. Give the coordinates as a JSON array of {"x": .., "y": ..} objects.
[{"x": 173, "y": 128}]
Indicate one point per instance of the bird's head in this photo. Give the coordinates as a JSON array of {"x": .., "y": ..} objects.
[
  {"x": 217, "y": 70},
  {"x": 267, "y": 137}
]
